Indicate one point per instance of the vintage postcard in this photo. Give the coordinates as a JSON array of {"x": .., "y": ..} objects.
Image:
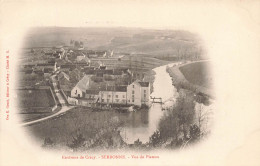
[{"x": 130, "y": 82}]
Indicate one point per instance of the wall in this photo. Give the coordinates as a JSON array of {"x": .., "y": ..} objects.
[
  {"x": 112, "y": 97},
  {"x": 72, "y": 101},
  {"x": 136, "y": 95},
  {"x": 75, "y": 92},
  {"x": 145, "y": 99}
]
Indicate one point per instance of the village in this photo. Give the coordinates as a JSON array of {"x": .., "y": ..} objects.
[
  {"x": 119, "y": 90},
  {"x": 76, "y": 76}
]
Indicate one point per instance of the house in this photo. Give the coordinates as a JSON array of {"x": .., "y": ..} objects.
[
  {"x": 79, "y": 90},
  {"x": 145, "y": 92},
  {"x": 91, "y": 98},
  {"x": 138, "y": 93},
  {"x": 49, "y": 65},
  {"x": 92, "y": 94},
  {"x": 96, "y": 64},
  {"x": 113, "y": 95},
  {"x": 83, "y": 63},
  {"x": 81, "y": 57}
]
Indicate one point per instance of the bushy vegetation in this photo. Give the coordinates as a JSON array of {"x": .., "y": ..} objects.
[
  {"x": 178, "y": 127},
  {"x": 81, "y": 129}
]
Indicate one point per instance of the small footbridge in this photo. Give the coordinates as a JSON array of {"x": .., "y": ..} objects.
[{"x": 156, "y": 100}]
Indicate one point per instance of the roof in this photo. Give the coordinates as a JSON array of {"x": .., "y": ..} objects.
[
  {"x": 117, "y": 72},
  {"x": 144, "y": 84},
  {"x": 83, "y": 84},
  {"x": 115, "y": 88},
  {"x": 83, "y": 60},
  {"x": 102, "y": 67},
  {"x": 92, "y": 91},
  {"x": 88, "y": 68},
  {"x": 62, "y": 74},
  {"x": 26, "y": 70},
  {"x": 89, "y": 71},
  {"x": 46, "y": 64},
  {"x": 141, "y": 83},
  {"x": 108, "y": 72},
  {"x": 47, "y": 70}
]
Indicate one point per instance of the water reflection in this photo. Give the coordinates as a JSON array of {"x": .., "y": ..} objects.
[{"x": 142, "y": 124}]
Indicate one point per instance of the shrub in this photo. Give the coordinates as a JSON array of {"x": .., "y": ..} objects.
[
  {"x": 78, "y": 141},
  {"x": 48, "y": 142}
]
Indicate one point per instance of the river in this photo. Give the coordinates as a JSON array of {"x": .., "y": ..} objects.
[{"x": 142, "y": 124}]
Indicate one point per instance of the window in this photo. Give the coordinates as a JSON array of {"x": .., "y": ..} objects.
[
  {"x": 103, "y": 100},
  {"x": 117, "y": 100},
  {"x": 123, "y": 96},
  {"x": 76, "y": 91},
  {"x": 133, "y": 100},
  {"x": 133, "y": 86},
  {"x": 108, "y": 100},
  {"x": 144, "y": 95},
  {"x": 133, "y": 92},
  {"x": 144, "y": 91},
  {"x": 116, "y": 96},
  {"x": 109, "y": 96}
]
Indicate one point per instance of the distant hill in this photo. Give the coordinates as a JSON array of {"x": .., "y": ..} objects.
[{"x": 156, "y": 43}]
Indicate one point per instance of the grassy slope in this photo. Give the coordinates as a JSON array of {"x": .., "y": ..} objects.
[
  {"x": 198, "y": 73},
  {"x": 35, "y": 98}
]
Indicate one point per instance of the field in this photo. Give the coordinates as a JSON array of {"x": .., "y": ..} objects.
[
  {"x": 198, "y": 73},
  {"x": 33, "y": 99},
  {"x": 153, "y": 43}
]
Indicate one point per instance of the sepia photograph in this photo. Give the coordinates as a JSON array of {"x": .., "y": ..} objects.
[
  {"x": 115, "y": 88},
  {"x": 130, "y": 83}
]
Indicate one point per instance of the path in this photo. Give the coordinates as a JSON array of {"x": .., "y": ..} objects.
[
  {"x": 63, "y": 110},
  {"x": 62, "y": 101}
]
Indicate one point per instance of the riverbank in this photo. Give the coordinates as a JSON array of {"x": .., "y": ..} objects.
[{"x": 180, "y": 82}]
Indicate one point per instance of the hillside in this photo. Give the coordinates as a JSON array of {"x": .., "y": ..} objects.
[
  {"x": 198, "y": 73},
  {"x": 161, "y": 44}
]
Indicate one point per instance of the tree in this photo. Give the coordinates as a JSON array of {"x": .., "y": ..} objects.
[
  {"x": 77, "y": 142},
  {"x": 48, "y": 142},
  {"x": 81, "y": 43},
  {"x": 194, "y": 132},
  {"x": 155, "y": 139},
  {"x": 71, "y": 42},
  {"x": 76, "y": 44},
  {"x": 138, "y": 143}
]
